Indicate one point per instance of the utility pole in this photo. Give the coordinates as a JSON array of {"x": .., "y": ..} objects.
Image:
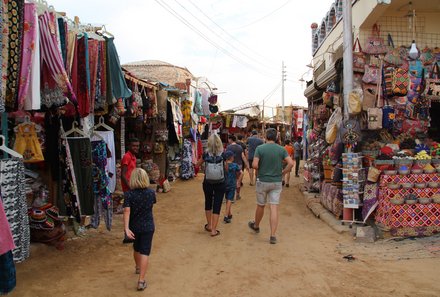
[
  {"x": 283, "y": 79},
  {"x": 348, "y": 53}
]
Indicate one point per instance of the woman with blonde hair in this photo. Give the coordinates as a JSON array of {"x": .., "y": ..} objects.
[
  {"x": 213, "y": 190},
  {"x": 138, "y": 220}
]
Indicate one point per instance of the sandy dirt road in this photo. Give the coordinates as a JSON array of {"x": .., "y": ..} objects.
[{"x": 186, "y": 261}]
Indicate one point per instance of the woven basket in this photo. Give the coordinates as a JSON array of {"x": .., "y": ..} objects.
[
  {"x": 422, "y": 163},
  {"x": 407, "y": 162}
]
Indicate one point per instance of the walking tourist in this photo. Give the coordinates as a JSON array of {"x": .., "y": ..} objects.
[
  {"x": 297, "y": 154},
  {"x": 268, "y": 161},
  {"x": 289, "y": 149},
  {"x": 252, "y": 143},
  {"x": 239, "y": 158},
  {"x": 138, "y": 220},
  {"x": 213, "y": 182},
  {"x": 233, "y": 177}
]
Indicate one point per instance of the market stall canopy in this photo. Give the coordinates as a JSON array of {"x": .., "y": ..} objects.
[{"x": 158, "y": 71}]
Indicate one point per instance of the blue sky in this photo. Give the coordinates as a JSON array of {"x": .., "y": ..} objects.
[{"x": 259, "y": 34}]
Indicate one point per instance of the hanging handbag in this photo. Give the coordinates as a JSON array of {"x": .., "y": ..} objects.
[
  {"x": 375, "y": 44},
  {"x": 350, "y": 131},
  {"x": 427, "y": 56},
  {"x": 388, "y": 81},
  {"x": 393, "y": 55},
  {"x": 400, "y": 82},
  {"x": 432, "y": 84},
  {"x": 371, "y": 74},
  {"x": 359, "y": 58},
  {"x": 369, "y": 99},
  {"x": 355, "y": 101},
  {"x": 331, "y": 131},
  {"x": 388, "y": 116},
  {"x": 375, "y": 113}
]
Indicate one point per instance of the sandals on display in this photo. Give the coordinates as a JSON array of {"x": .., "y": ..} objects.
[{"x": 141, "y": 285}]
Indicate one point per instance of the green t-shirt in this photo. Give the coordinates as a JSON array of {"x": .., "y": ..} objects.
[{"x": 270, "y": 164}]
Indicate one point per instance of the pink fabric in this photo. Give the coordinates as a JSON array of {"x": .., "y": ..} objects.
[
  {"x": 29, "y": 35},
  {"x": 55, "y": 79},
  {"x": 6, "y": 240}
]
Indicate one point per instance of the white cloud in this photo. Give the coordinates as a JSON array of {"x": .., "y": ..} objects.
[{"x": 146, "y": 31}]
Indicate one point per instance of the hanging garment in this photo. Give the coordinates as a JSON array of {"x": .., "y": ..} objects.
[
  {"x": 103, "y": 205},
  {"x": 16, "y": 20},
  {"x": 62, "y": 29},
  {"x": 242, "y": 121},
  {"x": 56, "y": 89},
  {"x": 12, "y": 185},
  {"x": 186, "y": 113},
  {"x": 29, "y": 45},
  {"x": 118, "y": 85},
  {"x": 187, "y": 168},
  {"x": 4, "y": 29},
  {"x": 27, "y": 144},
  {"x": 81, "y": 75},
  {"x": 6, "y": 240},
  {"x": 198, "y": 109},
  {"x": 93, "y": 68},
  {"x": 32, "y": 100},
  {"x": 68, "y": 201},
  {"x": 100, "y": 104},
  {"x": 71, "y": 44},
  {"x": 109, "y": 138},
  {"x": 81, "y": 152},
  {"x": 234, "y": 122}
]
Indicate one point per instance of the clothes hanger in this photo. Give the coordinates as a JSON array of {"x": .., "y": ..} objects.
[
  {"x": 104, "y": 32},
  {"x": 75, "y": 130},
  {"x": 11, "y": 152},
  {"x": 101, "y": 124}
]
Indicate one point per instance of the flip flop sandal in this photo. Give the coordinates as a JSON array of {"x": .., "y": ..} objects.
[
  {"x": 141, "y": 285},
  {"x": 217, "y": 233},
  {"x": 207, "y": 229}
]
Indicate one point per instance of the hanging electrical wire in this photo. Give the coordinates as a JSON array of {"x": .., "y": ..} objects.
[
  {"x": 230, "y": 35},
  {"x": 266, "y": 16},
  {"x": 206, "y": 38}
]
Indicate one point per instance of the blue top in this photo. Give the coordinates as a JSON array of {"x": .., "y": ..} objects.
[
  {"x": 231, "y": 175},
  {"x": 141, "y": 203},
  {"x": 252, "y": 143}
]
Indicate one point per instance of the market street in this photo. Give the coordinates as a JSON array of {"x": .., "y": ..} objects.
[{"x": 186, "y": 261}]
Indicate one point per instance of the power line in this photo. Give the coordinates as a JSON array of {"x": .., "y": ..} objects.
[
  {"x": 226, "y": 32},
  {"x": 267, "y": 15},
  {"x": 225, "y": 40},
  {"x": 194, "y": 29}
]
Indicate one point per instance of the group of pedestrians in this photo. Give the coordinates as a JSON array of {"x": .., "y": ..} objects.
[{"x": 268, "y": 164}]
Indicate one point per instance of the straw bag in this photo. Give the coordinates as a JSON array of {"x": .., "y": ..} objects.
[
  {"x": 375, "y": 113},
  {"x": 369, "y": 97}
]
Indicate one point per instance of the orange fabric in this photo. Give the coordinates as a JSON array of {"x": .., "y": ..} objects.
[
  {"x": 289, "y": 150},
  {"x": 128, "y": 160}
]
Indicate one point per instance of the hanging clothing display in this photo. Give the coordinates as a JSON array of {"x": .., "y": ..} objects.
[
  {"x": 187, "y": 168},
  {"x": 32, "y": 100},
  {"x": 4, "y": 29},
  {"x": 27, "y": 144},
  {"x": 81, "y": 153},
  {"x": 62, "y": 30},
  {"x": 119, "y": 87},
  {"x": 103, "y": 199},
  {"x": 109, "y": 138},
  {"x": 29, "y": 45},
  {"x": 16, "y": 20},
  {"x": 186, "y": 117},
  {"x": 81, "y": 75},
  {"x": 100, "y": 98},
  {"x": 68, "y": 201},
  {"x": 93, "y": 68},
  {"x": 56, "y": 89},
  {"x": 12, "y": 183}
]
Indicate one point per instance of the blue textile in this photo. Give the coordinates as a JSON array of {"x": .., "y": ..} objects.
[
  {"x": 141, "y": 203},
  {"x": 7, "y": 273}
]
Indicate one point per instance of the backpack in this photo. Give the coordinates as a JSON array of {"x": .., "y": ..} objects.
[{"x": 214, "y": 169}]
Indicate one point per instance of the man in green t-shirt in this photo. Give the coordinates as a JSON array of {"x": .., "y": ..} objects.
[{"x": 268, "y": 161}]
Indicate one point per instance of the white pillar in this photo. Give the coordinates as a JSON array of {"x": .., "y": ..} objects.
[{"x": 348, "y": 53}]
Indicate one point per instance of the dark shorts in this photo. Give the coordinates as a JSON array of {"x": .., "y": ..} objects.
[
  {"x": 142, "y": 242},
  {"x": 230, "y": 193}
]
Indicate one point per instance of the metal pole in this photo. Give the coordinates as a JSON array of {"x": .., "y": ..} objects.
[
  {"x": 282, "y": 91},
  {"x": 348, "y": 53}
]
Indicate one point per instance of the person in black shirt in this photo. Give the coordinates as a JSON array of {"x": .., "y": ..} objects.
[{"x": 138, "y": 220}]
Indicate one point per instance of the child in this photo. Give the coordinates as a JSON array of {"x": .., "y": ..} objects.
[
  {"x": 138, "y": 220},
  {"x": 233, "y": 177}
]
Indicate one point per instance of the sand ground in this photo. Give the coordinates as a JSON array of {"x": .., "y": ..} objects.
[{"x": 186, "y": 261}]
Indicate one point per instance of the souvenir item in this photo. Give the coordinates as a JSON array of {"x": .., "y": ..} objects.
[
  {"x": 375, "y": 44},
  {"x": 358, "y": 57},
  {"x": 432, "y": 88}
]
